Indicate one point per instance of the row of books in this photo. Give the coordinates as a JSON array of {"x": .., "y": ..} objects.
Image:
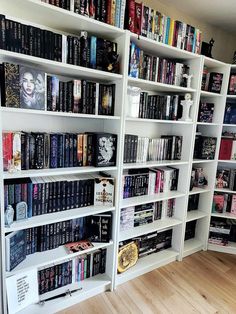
[
  {"x": 226, "y": 179},
  {"x": 152, "y": 68},
  {"x": 145, "y": 106},
  {"x": 21, "y": 243},
  {"x": 140, "y": 215},
  {"x": 75, "y": 270},
  {"x": 80, "y": 96},
  {"x": 44, "y": 195},
  {"x": 230, "y": 112},
  {"x": 190, "y": 230},
  {"x": 151, "y": 242},
  {"x": 227, "y": 147},
  {"x": 30, "y": 40},
  {"x": 211, "y": 81},
  {"x": 24, "y": 151},
  {"x": 149, "y": 181},
  {"x": 206, "y": 111},
  {"x": 232, "y": 85},
  {"x": 107, "y": 11},
  {"x": 142, "y": 149},
  {"x": 205, "y": 147},
  {"x": 92, "y": 52},
  {"x": 224, "y": 203},
  {"x": 193, "y": 201},
  {"x": 150, "y": 23},
  {"x": 63, "y": 4},
  {"x": 222, "y": 231}
]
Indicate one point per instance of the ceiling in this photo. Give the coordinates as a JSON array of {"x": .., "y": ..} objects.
[{"x": 220, "y": 13}]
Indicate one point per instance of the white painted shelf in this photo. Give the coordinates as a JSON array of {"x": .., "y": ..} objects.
[
  {"x": 196, "y": 190},
  {"x": 195, "y": 214},
  {"x": 210, "y": 94},
  {"x": 227, "y": 161},
  {"x": 199, "y": 161},
  {"x": 157, "y": 225},
  {"x": 90, "y": 287},
  {"x": 148, "y": 263},
  {"x": 58, "y": 68},
  {"x": 54, "y": 172},
  {"x": 208, "y": 123},
  {"x": 192, "y": 246},
  {"x": 229, "y": 125},
  {"x": 138, "y": 200},
  {"x": 46, "y": 219},
  {"x": 231, "y": 96},
  {"x": 225, "y": 191},
  {"x": 56, "y": 114},
  {"x": 155, "y": 86},
  {"x": 224, "y": 215},
  {"x": 230, "y": 248},
  {"x": 42, "y": 259},
  {"x": 62, "y": 20},
  {"x": 150, "y": 164},
  {"x": 175, "y": 122}
]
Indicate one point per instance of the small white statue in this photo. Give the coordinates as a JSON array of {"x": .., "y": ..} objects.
[
  {"x": 187, "y": 103},
  {"x": 189, "y": 79}
]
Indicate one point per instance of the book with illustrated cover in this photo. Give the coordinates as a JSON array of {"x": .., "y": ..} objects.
[
  {"x": 134, "y": 60},
  {"x": 222, "y": 178},
  {"x": 215, "y": 82},
  {"x": 104, "y": 191},
  {"x": 10, "y": 85},
  {"x": 105, "y": 149},
  {"x": 230, "y": 113},
  {"x": 206, "y": 111},
  {"x": 218, "y": 203},
  {"x": 78, "y": 246},
  {"x": 15, "y": 249}
]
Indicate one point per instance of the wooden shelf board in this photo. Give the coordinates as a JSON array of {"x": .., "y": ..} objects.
[
  {"x": 138, "y": 200},
  {"x": 42, "y": 259},
  {"x": 192, "y": 246},
  {"x": 149, "y": 164},
  {"x": 195, "y": 214},
  {"x": 157, "y": 225},
  {"x": 148, "y": 263},
  {"x": 54, "y": 172},
  {"x": 46, "y": 219}
]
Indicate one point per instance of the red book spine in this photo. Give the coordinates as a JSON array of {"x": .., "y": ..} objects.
[
  {"x": 225, "y": 149},
  {"x": 138, "y": 18},
  {"x": 109, "y": 11},
  {"x": 7, "y": 149},
  {"x": 131, "y": 7}
]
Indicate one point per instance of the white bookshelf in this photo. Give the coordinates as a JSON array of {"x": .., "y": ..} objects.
[{"x": 51, "y": 17}]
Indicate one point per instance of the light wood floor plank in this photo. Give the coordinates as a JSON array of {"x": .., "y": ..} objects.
[{"x": 203, "y": 283}]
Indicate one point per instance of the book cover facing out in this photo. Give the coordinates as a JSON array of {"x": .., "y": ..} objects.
[{"x": 105, "y": 149}]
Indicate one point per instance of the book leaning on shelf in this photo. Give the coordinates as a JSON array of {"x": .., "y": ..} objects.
[
  {"x": 152, "y": 68},
  {"x": 226, "y": 179},
  {"x": 30, "y": 88},
  {"x": 224, "y": 203},
  {"x": 149, "y": 181},
  {"x": 20, "y": 244},
  {"x": 23, "y": 151},
  {"x": 227, "y": 146},
  {"x": 145, "y": 21}
]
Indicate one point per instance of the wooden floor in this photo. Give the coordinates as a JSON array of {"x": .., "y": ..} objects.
[{"x": 203, "y": 283}]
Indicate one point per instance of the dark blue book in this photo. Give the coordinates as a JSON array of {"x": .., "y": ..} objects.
[
  {"x": 53, "y": 150},
  {"x": 15, "y": 249}
]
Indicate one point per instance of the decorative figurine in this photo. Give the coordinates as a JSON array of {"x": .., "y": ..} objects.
[
  {"x": 207, "y": 48},
  {"x": 187, "y": 103},
  {"x": 21, "y": 210},
  {"x": 188, "y": 79},
  {"x": 9, "y": 215}
]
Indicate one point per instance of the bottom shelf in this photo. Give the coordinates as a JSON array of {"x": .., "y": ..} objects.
[
  {"x": 148, "y": 263},
  {"x": 230, "y": 248},
  {"x": 90, "y": 287},
  {"x": 192, "y": 246}
]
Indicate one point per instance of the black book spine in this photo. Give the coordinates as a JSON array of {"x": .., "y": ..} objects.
[
  {"x": 39, "y": 151},
  {"x": 2, "y": 32},
  {"x": 83, "y": 49},
  {"x": 71, "y": 147},
  {"x": 70, "y": 96},
  {"x": 60, "y": 150},
  {"x": 84, "y": 95},
  {"x": 69, "y": 49},
  {"x": 67, "y": 151},
  {"x": 53, "y": 150},
  {"x": 75, "y": 161},
  {"x": 31, "y": 151}
]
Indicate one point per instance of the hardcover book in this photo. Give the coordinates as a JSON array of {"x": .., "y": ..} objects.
[
  {"x": 15, "y": 249},
  {"x": 206, "y": 111},
  {"x": 104, "y": 191},
  {"x": 10, "y": 91},
  {"x": 32, "y": 88},
  {"x": 105, "y": 149}
]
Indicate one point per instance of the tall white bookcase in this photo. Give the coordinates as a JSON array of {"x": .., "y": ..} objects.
[{"x": 65, "y": 22}]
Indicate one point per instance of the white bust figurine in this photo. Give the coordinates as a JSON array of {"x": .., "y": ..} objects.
[{"x": 186, "y": 103}]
